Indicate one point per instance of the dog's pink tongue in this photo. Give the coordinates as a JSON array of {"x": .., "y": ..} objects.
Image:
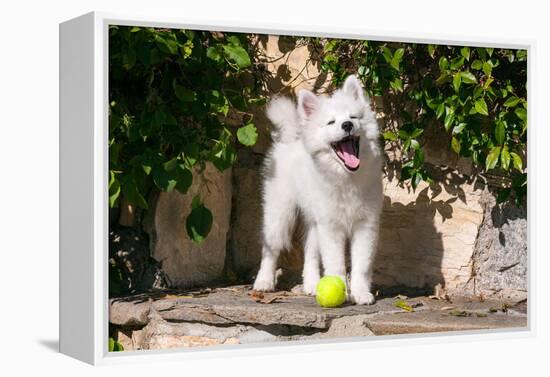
[{"x": 348, "y": 154}]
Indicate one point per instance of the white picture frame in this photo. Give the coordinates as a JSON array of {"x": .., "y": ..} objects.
[{"x": 84, "y": 197}]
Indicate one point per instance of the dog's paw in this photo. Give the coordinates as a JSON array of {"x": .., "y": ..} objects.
[
  {"x": 310, "y": 286},
  {"x": 362, "y": 297},
  {"x": 264, "y": 285}
]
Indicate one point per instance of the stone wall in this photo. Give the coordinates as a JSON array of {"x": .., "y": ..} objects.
[
  {"x": 184, "y": 263},
  {"x": 428, "y": 237}
]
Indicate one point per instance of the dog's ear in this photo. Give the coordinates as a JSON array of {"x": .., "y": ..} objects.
[
  {"x": 352, "y": 86},
  {"x": 307, "y": 103}
]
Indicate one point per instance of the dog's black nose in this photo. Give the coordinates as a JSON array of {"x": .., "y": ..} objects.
[{"x": 347, "y": 126}]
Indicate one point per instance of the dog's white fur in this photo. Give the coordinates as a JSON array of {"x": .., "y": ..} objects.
[{"x": 303, "y": 174}]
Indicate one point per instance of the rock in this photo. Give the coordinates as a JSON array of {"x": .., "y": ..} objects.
[
  {"x": 428, "y": 321},
  {"x": 500, "y": 256},
  {"x": 185, "y": 263},
  {"x": 245, "y": 243},
  {"x": 427, "y": 237},
  {"x": 230, "y": 316},
  {"x": 131, "y": 267},
  {"x": 356, "y": 325},
  {"x": 224, "y": 307},
  {"x": 161, "y": 334}
]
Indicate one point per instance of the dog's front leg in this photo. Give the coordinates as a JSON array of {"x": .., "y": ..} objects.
[
  {"x": 311, "y": 273},
  {"x": 363, "y": 248},
  {"x": 331, "y": 245}
]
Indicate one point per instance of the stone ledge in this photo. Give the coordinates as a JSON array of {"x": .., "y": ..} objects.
[
  {"x": 232, "y": 316},
  {"x": 234, "y": 305}
]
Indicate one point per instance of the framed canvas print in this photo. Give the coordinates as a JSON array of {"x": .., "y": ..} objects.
[{"x": 225, "y": 187}]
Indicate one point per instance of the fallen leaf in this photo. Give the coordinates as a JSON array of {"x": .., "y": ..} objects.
[
  {"x": 447, "y": 308},
  {"x": 460, "y": 313},
  {"x": 271, "y": 300},
  {"x": 256, "y": 295},
  {"x": 262, "y": 298},
  {"x": 403, "y": 305},
  {"x": 481, "y": 315}
]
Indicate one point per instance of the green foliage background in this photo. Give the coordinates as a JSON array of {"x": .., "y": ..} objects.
[
  {"x": 170, "y": 94},
  {"x": 175, "y": 94}
]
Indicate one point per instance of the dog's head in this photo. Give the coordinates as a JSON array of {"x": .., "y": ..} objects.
[{"x": 339, "y": 131}]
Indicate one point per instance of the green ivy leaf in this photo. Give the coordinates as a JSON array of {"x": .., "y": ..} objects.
[
  {"x": 455, "y": 145},
  {"x": 487, "y": 68},
  {"x": 449, "y": 119},
  {"x": 114, "y": 189},
  {"x": 457, "y": 80},
  {"x": 214, "y": 53},
  {"x": 505, "y": 158},
  {"x": 440, "y": 110},
  {"x": 477, "y": 64},
  {"x": 492, "y": 158},
  {"x": 481, "y": 106},
  {"x": 111, "y": 344},
  {"x": 468, "y": 78},
  {"x": 164, "y": 180},
  {"x": 223, "y": 155},
  {"x": 511, "y": 101},
  {"x": 521, "y": 113},
  {"x": 388, "y": 135},
  {"x": 443, "y": 63},
  {"x": 516, "y": 161},
  {"x": 431, "y": 50},
  {"x": 465, "y": 52},
  {"x": 199, "y": 222},
  {"x": 397, "y": 84},
  {"x": 166, "y": 45},
  {"x": 397, "y": 56},
  {"x": 247, "y": 135},
  {"x": 500, "y": 132},
  {"x": 459, "y": 128},
  {"x": 237, "y": 55},
  {"x": 187, "y": 49},
  {"x": 457, "y": 62}
]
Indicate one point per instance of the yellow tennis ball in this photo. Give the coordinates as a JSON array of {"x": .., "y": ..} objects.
[{"x": 331, "y": 291}]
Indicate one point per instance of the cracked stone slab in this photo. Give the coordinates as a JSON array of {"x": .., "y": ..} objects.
[
  {"x": 230, "y": 306},
  {"x": 440, "y": 321},
  {"x": 235, "y": 306}
]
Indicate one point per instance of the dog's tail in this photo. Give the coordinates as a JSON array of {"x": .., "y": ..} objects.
[{"x": 282, "y": 112}]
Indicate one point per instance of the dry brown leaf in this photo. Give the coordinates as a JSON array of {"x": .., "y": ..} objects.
[
  {"x": 270, "y": 300},
  {"x": 256, "y": 295}
]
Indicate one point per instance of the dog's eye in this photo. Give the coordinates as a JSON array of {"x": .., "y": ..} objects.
[
  {"x": 355, "y": 116},
  {"x": 331, "y": 122}
]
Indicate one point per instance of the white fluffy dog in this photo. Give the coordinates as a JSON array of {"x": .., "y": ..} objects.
[{"x": 327, "y": 165}]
